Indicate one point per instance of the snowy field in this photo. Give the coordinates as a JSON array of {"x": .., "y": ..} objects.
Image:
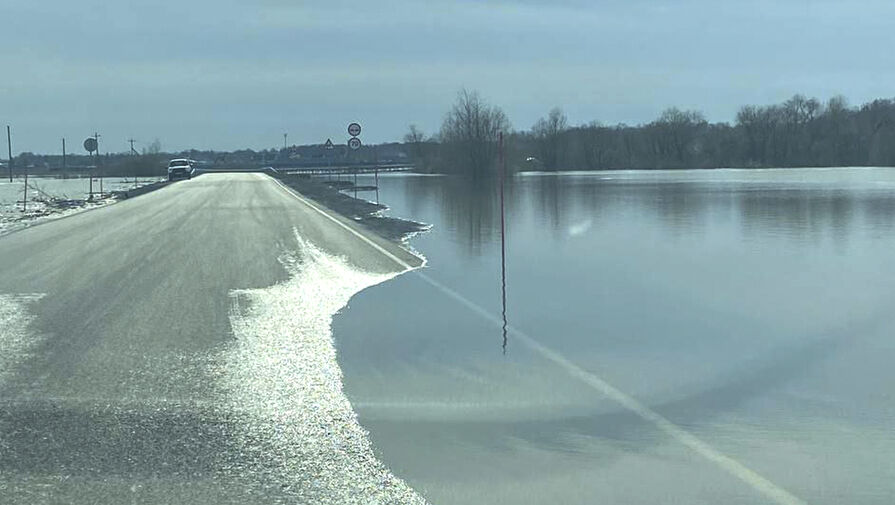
[{"x": 50, "y": 197}]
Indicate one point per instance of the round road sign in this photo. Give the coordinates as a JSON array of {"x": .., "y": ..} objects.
[
  {"x": 90, "y": 144},
  {"x": 354, "y": 130},
  {"x": 354, "y": 143}
]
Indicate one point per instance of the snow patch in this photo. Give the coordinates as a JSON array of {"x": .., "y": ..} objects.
[
  {"x": 16, "y": 341},
  {"x": 281, "y": 374}
]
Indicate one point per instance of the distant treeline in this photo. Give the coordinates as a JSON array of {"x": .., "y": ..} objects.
[{"x": 800, "y": 132}]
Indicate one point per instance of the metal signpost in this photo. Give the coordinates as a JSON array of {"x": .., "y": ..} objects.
[
  {"x": 354, "y": 144},
  {"x": 90, "y": 145},
  {"x": 96, "y": 136},
  {"x": 329, "y": 147}
]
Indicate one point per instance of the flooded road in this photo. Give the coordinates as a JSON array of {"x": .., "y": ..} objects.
[{"x": 746, "y": 315}]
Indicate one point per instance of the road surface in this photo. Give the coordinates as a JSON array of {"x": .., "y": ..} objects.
[{"x": 123, "y": 379}]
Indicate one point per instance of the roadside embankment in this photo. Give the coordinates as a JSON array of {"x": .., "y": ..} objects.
[
  {"x": 141, "y": 190},
  {"x": 363, "y": 212}
]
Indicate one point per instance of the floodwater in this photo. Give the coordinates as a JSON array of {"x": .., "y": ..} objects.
[{"x": 688, "y": 337}]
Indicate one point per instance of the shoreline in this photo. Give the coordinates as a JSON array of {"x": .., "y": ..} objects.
[{"x": 361, "y": 211}]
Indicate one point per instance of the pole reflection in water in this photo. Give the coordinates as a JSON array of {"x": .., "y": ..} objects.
[
  {"x": 503, "y": 290},
  {"x": 503, "y": 247}
]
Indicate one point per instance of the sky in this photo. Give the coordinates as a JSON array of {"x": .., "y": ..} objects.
[{"x": 225, "y": 74}]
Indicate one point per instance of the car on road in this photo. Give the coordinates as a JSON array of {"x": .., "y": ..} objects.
[{"x": 180, "y": 168}]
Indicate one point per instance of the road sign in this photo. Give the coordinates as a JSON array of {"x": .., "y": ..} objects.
[
  {"x": 354, "y": 143},
  {"x": 328, "y": 145},
  {"x": 90, "y": 144},
  {"x": 354, "y": 130}
]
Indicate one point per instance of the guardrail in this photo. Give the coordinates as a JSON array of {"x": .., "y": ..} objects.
[
  {"x": 315, "y": 170},
  {"x": 350, "y": 169}
]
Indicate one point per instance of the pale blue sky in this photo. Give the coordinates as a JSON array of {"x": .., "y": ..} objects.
[{"x": 225, "y": 74}]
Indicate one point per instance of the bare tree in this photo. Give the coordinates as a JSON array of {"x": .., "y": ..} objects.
[
  {"x": 415, "y": 139},
  {"x": 674, "y": 134},
  {"x": 835, "y": 134},
  {"x": 470, "y": 131},
  {"x": 877, "y": 119},
  {"x": 548, "y": 133},
  {"x": 800, "y": 110},
  {"x": 414, "y": 135},
  {"x": 594, "y": 146},
  {"x": 154, "y": 148},
  {"x": 150, "y": 163}
]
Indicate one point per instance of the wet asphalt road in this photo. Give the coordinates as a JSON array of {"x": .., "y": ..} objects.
[{"x": 111, "y": 322}]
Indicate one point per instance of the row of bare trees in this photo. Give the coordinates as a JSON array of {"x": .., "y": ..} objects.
[
  {"x": 798, "y": 132},
  {"x": 470, "y": 132}
]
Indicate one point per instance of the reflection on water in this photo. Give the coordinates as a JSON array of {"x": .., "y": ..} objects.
[
  {"x": 503, "y": 252},
  {"x": 503, "y": 298},
  {"x": 470, "y": 207},
  {"x": 749, "y": 306},
  {"x": 685, "y": 203}
]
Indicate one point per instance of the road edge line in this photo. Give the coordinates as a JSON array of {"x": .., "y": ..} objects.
[
  {"x": 403, "y": 264},
  {"x": 733, "y": 467}
]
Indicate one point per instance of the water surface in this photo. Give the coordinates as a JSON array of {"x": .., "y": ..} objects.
[{"x": 751, "y": 308}]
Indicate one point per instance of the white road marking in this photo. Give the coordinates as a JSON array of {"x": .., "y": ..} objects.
[
  {"x": 344, "y": 226},
  {"x": 726, "y": 463},
  {"x": 756, "y": 481}
]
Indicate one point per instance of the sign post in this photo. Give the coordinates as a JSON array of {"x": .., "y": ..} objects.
[
  {"x": 329, "y": 147},
  {"x": 98, "y": 161},
  {"x": 354, "y": 144},
  {"x": 90, "y": 145}
]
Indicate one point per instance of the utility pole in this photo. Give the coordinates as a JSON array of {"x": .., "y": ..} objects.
[
  {"x": 25, "y": 194},
  {"x": 133, "y": 153},
  {"x": 96, "y": 137},
  {"x": 63, "y": 157},
  {"x": 284, "y": 141},
  {"x": 9, "y": 147}
]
